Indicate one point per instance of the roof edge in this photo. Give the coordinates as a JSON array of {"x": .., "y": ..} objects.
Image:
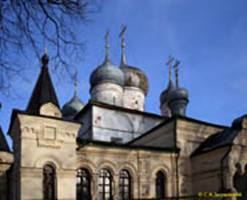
[
  {"x": 84, "y": 142},
  {"x": 175, "y": 118},
  {"x": 114, "y": 107},
  {"x": 166, "y": 121},
  {"x": 201, "y": 122},
  {"x": 194, "y": 154}
]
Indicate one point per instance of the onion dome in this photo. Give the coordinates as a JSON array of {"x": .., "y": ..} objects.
[
  {"x": 170, "y": 87},
  {"x": 73, "y": 106},
  {"x": 179, "y": 94},
  {"x": 133, "y": 77},
  {"x": 178, "y": 100},
  {"x": 107, "y": 72}
]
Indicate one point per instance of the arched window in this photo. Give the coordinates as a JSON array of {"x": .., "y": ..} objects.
[
  {"x": 83, "y": 184},
  {"x": 125, "y": 185},
  {"x": 49, "y": 182},
  {"x": 160, "y": 185},
  {"x": 105, "y": 184}
]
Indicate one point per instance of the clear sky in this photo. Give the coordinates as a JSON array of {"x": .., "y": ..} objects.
[{"x": 209, "y": 37}]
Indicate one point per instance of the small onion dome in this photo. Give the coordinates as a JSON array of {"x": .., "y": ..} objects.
[
  {"x": 107, "y": 73},
  {"x": 71, "y": 108},
  {"x": 178, "y": 94},
  {"x": 177, "y": 101},
  {"x": 164, "y": 95},
  {"x": 134, "y": 77}
]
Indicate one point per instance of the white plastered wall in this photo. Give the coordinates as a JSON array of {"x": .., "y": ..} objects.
[{"x": 42, "y": 140}]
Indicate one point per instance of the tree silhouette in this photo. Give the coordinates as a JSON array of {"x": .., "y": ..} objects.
[{"x": 32, "y": 25}]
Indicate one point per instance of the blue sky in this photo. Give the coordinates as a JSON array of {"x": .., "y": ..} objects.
[{"x": 209, "y": 37}]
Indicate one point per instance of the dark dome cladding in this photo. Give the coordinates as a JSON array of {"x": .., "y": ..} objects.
[
  {"x": 71, "y": 108},
  {"x": 179, "y": 93},
  {"x": 178, "y": 100},
  {"x": 135, "y": 77},
  {"x": 165, "y": 94}
]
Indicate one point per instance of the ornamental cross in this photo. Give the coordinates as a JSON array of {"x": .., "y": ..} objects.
[
  {"x": 121, "y": 35},
  {"x": 46, "y": 50},
  {"x": 124, "y": 28},
  {"x": 107, "y": 38},
  {"x": 169, "y": 64},
  {"x": 170, "y": 61},
  {"x": 107, "y": 46},
  {"x": 175, "y": 66},
  {"x": 74, "y": 77}
]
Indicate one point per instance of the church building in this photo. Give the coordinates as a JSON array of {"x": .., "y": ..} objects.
[{"x": 112, "y": 149}]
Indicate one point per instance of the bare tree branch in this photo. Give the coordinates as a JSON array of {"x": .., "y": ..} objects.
[{"x": 35, "y": 24}]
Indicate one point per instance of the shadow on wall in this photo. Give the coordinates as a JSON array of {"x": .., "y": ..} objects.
[{"x": 240, "y": 181}]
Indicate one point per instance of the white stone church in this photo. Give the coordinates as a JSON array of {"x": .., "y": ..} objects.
[{"x": 111, "y": 149}]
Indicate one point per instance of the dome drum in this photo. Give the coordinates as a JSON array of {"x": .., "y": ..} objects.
[
  {"x": 133, "y": 98},
  {"x": 108, "y": 92}
]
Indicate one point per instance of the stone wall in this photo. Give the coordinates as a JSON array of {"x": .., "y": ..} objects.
[
  {"x": 142, "y": 165},
  {"x": 38, "y": 141},
  {"x": 238, "y": 157},
  {"x": 189, "y": 135},
  {"x": 206, "y": 171}
]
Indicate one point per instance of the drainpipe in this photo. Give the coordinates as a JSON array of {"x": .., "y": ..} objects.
[
  {"x": 177, "y": 176},
  {"x": 222, "y": 181},
  {"x": 177, "y": 157}
]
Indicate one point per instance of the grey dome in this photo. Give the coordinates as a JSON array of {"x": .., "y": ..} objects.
[
  {"x": 165, "y": 94},
  {"x": 178, "y": 100},
  {"x": 107, "y": 72},
  {"x": 134, "y": 77},
  {"x": 179, "y": 94},
  {"x": 71, "y": 108}
]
